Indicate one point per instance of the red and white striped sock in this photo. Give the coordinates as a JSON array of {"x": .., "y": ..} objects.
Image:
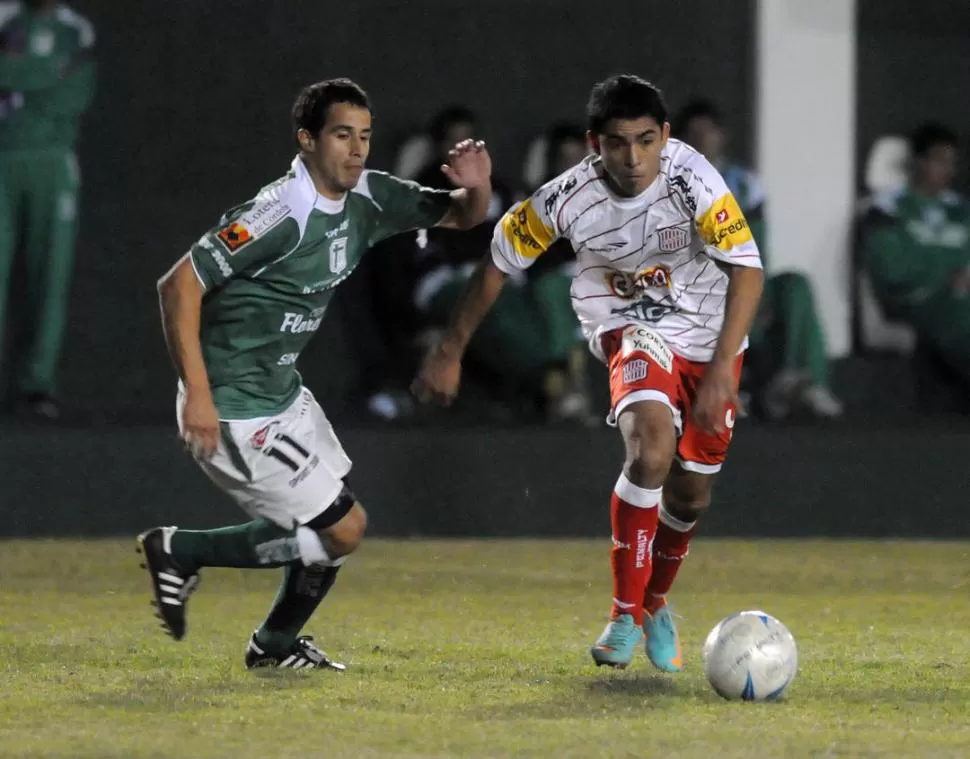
[{"x": 633, "y": 512}]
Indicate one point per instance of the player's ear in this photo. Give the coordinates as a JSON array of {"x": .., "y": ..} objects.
[
  {"x": 305, "y": 139},
  {"x": 594, "y": 143},
  {"x": 665, "y": 132}
]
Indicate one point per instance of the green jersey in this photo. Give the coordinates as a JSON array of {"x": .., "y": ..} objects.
[
  {"x": 46, "y": 76},
  {"x": 270, "y": 267},
  {"x": 914, "y": 244}
]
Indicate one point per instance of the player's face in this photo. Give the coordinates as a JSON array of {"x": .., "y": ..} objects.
[
  {"x": 705, "y": 135},
  {"x": 630, "y": 149},
  {"x": 339, "y": 151},
  {"x": 937, "y": 169}
]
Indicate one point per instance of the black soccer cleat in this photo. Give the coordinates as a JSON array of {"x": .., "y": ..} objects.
[
  {"x": 302, "y": 655},
  {"x": 171, "y": 585}
]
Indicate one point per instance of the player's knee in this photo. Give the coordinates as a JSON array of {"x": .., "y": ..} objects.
[
  {"x": 650, "y": 444},
  {"x": 650, "y": 447},
  {"x": 687, "y": 499},
  {"x": 347, "y": 534}
]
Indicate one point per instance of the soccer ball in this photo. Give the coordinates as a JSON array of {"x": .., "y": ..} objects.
[{"x": 750, "y": 656}]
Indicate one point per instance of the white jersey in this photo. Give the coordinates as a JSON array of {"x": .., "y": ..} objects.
[{"x": 652, "y": 259}]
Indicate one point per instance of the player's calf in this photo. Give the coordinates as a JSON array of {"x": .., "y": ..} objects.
[{"x": 171, "y": 585}]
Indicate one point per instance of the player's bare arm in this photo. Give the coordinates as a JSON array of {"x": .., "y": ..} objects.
[
  {"x": 440, "y": 374},
  {"x": 469, "y": 168},
  {"x": 718, "y": 387},
  {"x": 180, "y": 297}
]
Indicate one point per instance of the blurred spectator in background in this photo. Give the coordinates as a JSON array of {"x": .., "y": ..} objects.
[
  {"x": 527, "y": 339},
  {"x": 787, "y": 341},
  {"x": 46, "y": 83},
  {"x": 916, "y": 243}
]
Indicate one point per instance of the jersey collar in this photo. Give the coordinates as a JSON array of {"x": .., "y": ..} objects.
[{"x": 320, "y": 203}]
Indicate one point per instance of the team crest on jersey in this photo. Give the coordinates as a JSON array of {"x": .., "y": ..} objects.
[
  {"x": 234, "y": 236},
  {"x": 338, "y": 255},
  {"x": 672, "y": 239}
]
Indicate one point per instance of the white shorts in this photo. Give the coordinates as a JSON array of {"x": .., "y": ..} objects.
[{"x": 287, "y": 468}]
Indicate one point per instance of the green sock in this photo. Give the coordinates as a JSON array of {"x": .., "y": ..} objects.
[
  {"x": 254, "y": 545},
  {"x": 300, "y": 594}
]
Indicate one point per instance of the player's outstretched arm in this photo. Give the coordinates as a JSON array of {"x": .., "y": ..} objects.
[
  {"x": 180, "y": 297},
  {"x": 440, "y": 374},
  {"x": 469, "y": 168},
  {"x": 719, "y": 386}
]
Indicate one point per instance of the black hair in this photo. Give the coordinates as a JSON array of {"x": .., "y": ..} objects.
[
  {"x": 314, "y": 101},
  {"x": 446, "y": 117},
  {"x": 929, "y": 135},
  {"x": 695, "y": 109},
  {"x": 624, "y": 96}
]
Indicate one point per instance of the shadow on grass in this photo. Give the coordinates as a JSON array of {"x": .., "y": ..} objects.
[{"x": 164, "y": 693}]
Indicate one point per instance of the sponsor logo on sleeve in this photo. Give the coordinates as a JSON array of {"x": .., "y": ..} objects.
[
  {"x": 217, "y": 257},
  {"x": 234, "y": 236},
  {"x": 525, "y": 231},
  {"x": 723, "y": 225}
]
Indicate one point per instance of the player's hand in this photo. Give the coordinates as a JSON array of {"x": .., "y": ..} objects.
[
  {"x": 439, "y": 377},
  {"x": 469, "y": 165},
  {"x": 718, "y": 390},
  {"x": 200, "y": 424}
]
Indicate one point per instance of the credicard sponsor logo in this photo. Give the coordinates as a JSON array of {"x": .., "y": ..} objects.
[
  {"x": 634, "y": 371},
  {"x": 526, "y": 232}
]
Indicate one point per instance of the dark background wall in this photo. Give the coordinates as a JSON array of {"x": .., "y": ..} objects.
[
  {"x": 913, "y": 66},
  {"x": 192, "y": 117}
]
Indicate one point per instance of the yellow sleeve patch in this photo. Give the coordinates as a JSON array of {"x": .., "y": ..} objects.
[
  {"x": 525, "y": 231},
  {"x": 723, "y": 225}
]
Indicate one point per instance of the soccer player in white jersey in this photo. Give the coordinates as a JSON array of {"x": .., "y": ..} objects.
[{"x": 668, "y": 280}]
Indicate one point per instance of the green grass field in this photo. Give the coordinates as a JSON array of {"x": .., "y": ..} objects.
[{"x": 475, "y": 649}]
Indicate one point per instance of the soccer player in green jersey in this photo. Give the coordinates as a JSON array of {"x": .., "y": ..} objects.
[
  {"x": 47, "y": 78},
  {"x": 237, "y": 310}
]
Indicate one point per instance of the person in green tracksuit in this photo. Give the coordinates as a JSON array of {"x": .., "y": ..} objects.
[
  {"x": 916, "y": 243},
  {"x": 787, "y": 330},
  {"x": 46, "y": 83}
]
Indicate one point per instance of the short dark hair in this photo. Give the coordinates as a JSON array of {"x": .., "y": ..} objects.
[
  {"x": 929, "y": 135},
  {"x": 446, "y": 117},
  {"x": 695, "y": 109},
  {"x": 624, "y": 96},
  {"x": 314, "y": 101}
]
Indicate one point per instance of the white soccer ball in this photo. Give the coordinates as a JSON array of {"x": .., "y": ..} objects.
[{"x": 750, "y": 656}]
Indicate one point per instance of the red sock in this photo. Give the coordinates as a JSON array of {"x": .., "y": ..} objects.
[
  {"x": 633, "y": 511},
  {"x": 669, "y": 550}
]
